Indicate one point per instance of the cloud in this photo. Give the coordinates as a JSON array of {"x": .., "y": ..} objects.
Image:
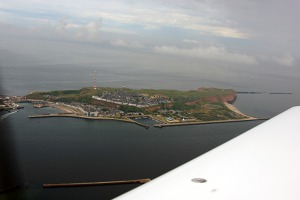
[
  {"x": 280, "y": 60},
  {"x": 118, "y": 30},
  {"x": 210, "y": 53},
  {"x": 286, "y": 60},
  {"x": 157, "y": 18},
  {"x": 207, "y": 23},
  {"x": 124, "y": 14},
  {"x": 68, "y": 28},
  {"x": 94, "y": 26},
  {"x": 151, "y": 27},
  {"x": 191, "y": 41},
  {"x": 123, "y": 43}
]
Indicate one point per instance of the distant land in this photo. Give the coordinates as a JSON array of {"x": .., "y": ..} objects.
[
  {"x": 168, "y": 107},
  {"x": 252, "y": 92}
]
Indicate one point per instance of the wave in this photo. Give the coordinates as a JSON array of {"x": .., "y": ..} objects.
[{"x": 7, "y": 114}]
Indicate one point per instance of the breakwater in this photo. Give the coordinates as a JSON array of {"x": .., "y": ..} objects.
[
  {"x": 56, "y": 185},
  {"x": 128, "y": 120},
  {"x": 86, "y": 117},
  {"x": 207, "y": 122}
]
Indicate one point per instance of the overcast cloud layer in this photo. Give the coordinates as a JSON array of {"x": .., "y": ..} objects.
[{"x": 224, "y": 38}]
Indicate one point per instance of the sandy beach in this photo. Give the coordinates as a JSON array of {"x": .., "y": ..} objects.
[
  {"x": 234, "y": 109},
  {"x": 229, "y": 106}
]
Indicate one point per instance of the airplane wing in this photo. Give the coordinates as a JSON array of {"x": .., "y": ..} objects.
[{"x": 263, "y": 163}]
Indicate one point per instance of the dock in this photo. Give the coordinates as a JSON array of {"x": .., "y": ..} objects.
[{"x": 83, "y": 184}]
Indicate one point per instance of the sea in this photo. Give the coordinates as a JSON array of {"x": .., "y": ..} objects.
[{"x": 63, "y": 150}]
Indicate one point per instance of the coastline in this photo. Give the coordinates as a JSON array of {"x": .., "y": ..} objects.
[
  {"x": 207, "y": 122},
  {"x": 228, "y": 105},
  {"x": 68, "y": 112},
  {"x": 74, "y": 112},
  {"x": 234, "y": 109}
]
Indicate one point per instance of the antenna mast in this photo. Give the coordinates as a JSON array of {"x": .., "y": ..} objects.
[{"x": 95, "y": 81}]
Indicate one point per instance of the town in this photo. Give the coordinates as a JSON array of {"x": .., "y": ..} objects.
[
  {"x": 132, "y": 99},
  {"x": 8, "y": 103},
  {"x": 124, "y": 107}
]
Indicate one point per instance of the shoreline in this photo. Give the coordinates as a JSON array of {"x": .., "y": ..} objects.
[
  {"x": 74, "y": 113},
  {"x": 207, "y": 122},
  {"x": 228, "y": 105},
  {"x": 161, "y": 125},
  {"x": 236, "y": 110}
]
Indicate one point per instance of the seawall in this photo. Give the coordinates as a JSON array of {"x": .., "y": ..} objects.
[
  {"x": 86, "y": 117},
  {"x": 208, "y": 122}
]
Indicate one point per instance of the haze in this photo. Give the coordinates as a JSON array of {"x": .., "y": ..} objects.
[{"x": 239, "y": 42}]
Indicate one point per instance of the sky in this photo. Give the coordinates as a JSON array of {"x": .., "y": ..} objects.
[{"x": 232, "y": 40}]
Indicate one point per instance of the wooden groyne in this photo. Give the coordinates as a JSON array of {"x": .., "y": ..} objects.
[
  {"x": 207, "y": 122},
  {"x": 57, "y": 185}
]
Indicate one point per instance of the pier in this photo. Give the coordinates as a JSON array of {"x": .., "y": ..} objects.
[
  {"x": 40, "y": 105},
  {"x": 83, "y": 184},
  {"x": 140, "y": 124}
]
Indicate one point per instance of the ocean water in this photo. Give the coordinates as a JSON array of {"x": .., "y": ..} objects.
[
  {"x": 58, "y": 150},
  {"x": 19, "y": 80}
]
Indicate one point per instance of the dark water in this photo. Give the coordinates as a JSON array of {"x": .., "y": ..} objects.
[{"x": 56, "y": 150}]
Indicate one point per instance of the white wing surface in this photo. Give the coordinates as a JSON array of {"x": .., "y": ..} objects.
[{"x": 263, "y": 163}]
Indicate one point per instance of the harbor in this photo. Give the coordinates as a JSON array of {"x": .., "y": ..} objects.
[
  {"x": 129, "y": 120},
  {"x": 81, "y": 148}
]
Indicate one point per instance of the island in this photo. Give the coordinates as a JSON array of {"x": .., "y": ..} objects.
[{"x": 167, "y": 107}]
